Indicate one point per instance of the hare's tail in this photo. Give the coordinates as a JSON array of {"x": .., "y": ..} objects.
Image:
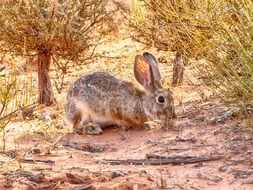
[{"x": 71, "y": 113}]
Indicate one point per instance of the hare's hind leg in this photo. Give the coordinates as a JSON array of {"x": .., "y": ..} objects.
[
  {"x": 73, "y": 116},
  {"x": 81, "y": 119},
  {"x": 83, "y": 126}
]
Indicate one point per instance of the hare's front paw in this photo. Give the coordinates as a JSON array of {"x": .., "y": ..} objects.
[
  {"x": 150, "y": 125},
  {"x": 88, "y": 128},
  {"x": 92, "y": 129}
]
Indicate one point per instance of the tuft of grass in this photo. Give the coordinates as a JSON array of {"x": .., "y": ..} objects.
[{"x": 16, "y": 92}]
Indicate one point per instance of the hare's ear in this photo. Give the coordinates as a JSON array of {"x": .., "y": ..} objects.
[
  {"x": 142, "y": 71},
  {"x": 155, "y": 73}
]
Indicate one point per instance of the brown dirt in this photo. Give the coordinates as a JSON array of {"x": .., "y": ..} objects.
[{"x": 72, "y": 161}]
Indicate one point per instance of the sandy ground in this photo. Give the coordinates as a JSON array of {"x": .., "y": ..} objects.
[{"x": 71, "y": 161}]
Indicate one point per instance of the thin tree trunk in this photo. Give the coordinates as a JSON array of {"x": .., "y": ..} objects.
[
  {"x": 178, "y": 69},
  {"x": 45, "y": 87}
]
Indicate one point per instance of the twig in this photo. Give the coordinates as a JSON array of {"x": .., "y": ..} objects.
[
  {"x": 189, "y": 148},
  {"x": 79, "y": 187},
  {"x": 34, "y": 185},
  {"x": 36, "y": 160},
  {"x": 75, "y": 179},
  {"x": 224, "y": 115},
  {"x": 15, "y": 111},
  {"x": 161, "y": 160},
  {"x": 86, "y": 147}
]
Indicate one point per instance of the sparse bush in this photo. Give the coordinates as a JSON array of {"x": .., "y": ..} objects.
[
  {"x": 15, "y": 95},
  {"x": 51, "y": 30},
  {"x": 218, "y": 32},
  {"x": 229, "y": 66},
  {"x": 173, "y": 26},
  {"x": 8, "y": 102}
]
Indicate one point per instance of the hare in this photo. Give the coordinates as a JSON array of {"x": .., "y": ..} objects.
[{"x": 98, "y": 100}]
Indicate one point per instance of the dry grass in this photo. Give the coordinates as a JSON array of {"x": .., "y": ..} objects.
[
  {"x": 227, "y": 73},
  {"x": 215, "y": 35}
]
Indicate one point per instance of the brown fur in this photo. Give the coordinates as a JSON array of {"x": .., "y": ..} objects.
[{"x": 103, "y": 100}]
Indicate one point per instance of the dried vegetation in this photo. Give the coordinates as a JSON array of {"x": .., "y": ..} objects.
[{"x": 211, "y": 141}]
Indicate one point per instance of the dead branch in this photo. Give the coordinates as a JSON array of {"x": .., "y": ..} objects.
[
  {"x": 34, "y": 185},
  {"x": 225, "y": 115},
  {"x": 75, "y": 179},
  {"x": 86, "y": 147},
  {"x": 190, "y": 148},
  {"x": 163, "y": 160},
  {"x": 211, "y": 177},
  {"x": 79, "y": 187},
  {"x": 36, "y": 160},
  {"x": 11, "y": 114}
]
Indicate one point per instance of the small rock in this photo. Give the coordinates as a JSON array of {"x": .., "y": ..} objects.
[
  {"x": 36, "y": 151},
  {"x": 38, "y": 178},
  {"x": 198, "y": 165},
  {"x": 149, "y": 178},
  {"x": 212, "y": 177},
  {"x": 118, "y": 174},
  {"x": 248, "y": 182},
  {"x": 243, "y": 174},
  {"x": 143, "y": 172},
  {"x": 223, "y": 168},
  {"x": 47, "y": 117},
  {"x": 7, "y": 183},
  {"x": 114, "y": 149}
]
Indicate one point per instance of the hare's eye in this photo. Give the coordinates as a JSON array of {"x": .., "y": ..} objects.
[{"x": 160, "y": 100}]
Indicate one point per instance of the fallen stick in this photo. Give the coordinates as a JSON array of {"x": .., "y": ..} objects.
[
  {"x": 86, "y": 147},
  {"x": 79, "y": 187},
  {"x": 190, "y": 148},
  {"x": 36, "y": 160},
  {"x": 162, "y": 160},
  {"x": 15, "y": 111}
]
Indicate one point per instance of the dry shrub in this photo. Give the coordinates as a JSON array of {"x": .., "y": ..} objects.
[
  {"x": 8, "y": 102},
  {"x": 51, "y": 30},
  {"x": 229, "y": 66},
  {"x": 217, "y": 35},
  {"x": 16, "y": 93}
]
